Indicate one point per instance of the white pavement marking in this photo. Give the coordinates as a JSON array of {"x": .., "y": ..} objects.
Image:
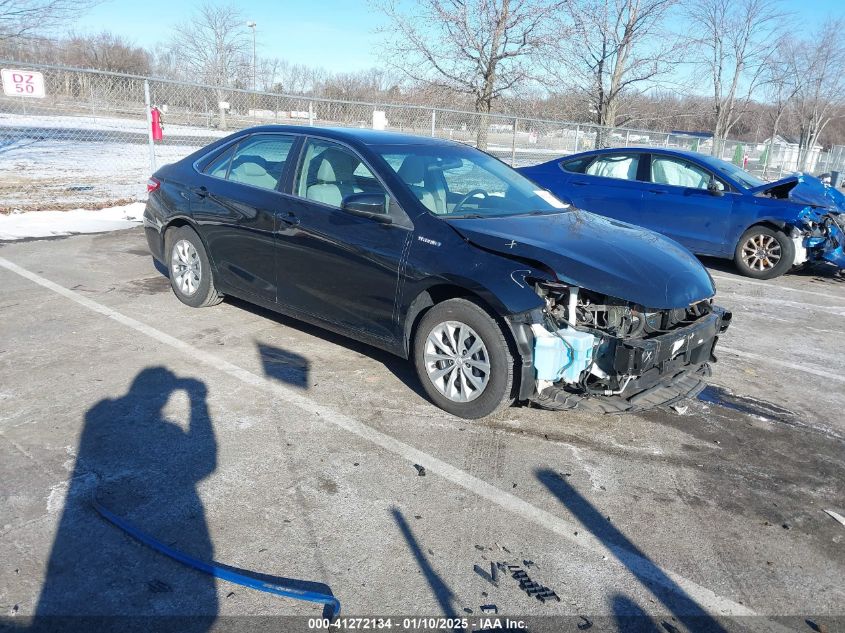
[
  {"x": 641, "y": 567},
  {"x": 743, "y": 280},
  {"x": 807, "y": 369}
]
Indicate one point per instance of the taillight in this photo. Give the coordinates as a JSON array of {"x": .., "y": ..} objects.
[{"x": 153, "y": 185}]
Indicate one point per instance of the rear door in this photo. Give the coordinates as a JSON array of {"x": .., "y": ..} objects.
[
  {"x": 334, "y": 265},
  {"x": 610, "y": 186},
  {"x": 679, "y": 204},
  {"x": 236, "y": 203}
]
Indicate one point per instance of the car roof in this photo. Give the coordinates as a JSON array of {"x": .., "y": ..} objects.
[{"x": 363, "y": 136}]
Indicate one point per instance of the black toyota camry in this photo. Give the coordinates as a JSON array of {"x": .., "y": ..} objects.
[{"x": 442, "y": 254}]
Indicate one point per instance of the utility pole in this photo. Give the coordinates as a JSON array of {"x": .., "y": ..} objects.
[{"x": 252, "y": 26}]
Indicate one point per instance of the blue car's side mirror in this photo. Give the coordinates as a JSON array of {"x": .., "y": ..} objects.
[{"x": 714, "y": 188}]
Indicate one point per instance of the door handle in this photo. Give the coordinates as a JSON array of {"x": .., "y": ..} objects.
[
  {"x": 658, "y": 192},
  {"x": 289, "y": 218},
  {"x": 201, "y": 192},
  {"x": 579, "y": 183}
]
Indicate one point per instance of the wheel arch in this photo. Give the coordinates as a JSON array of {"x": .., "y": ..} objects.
[
  {"x": 179, "y": 222},
  {"x": 438, "y": 293}
]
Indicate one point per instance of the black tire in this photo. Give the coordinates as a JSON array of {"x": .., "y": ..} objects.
[
  {"x": 498, "y": 392},
  {"x": 205, "y": 293},
  {"x": 764, "y": 235}
]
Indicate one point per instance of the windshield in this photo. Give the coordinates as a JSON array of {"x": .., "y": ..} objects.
[
  {"x": 737, "y": 173},
  {"x": 454, "y": 181}
]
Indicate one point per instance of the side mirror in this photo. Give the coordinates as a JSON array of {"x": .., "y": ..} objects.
[
  {"x": 367, "y": 205},
  {"x": 715, "y": 188}
]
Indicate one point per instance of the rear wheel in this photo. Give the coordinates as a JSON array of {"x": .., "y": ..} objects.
[
  {"x": 463, "y": 360},
  {"x": 764, "y": 253},
  {"x": 190, "y": 270}
]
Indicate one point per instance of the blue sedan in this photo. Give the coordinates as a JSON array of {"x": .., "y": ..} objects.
[{"x": 710, "y": 206}]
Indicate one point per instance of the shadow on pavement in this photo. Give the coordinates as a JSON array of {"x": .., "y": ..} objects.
[
  {"x": 442, "y": 592},
  {"x": 145, "y": 468},
  {"x": 664, "y": 588},
  {"x": 287, "y": 367}
]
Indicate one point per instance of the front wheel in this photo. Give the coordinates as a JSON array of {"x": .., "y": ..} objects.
[
  {"x": 463, "y": 360},
  {"x": 764, "y": 253}
]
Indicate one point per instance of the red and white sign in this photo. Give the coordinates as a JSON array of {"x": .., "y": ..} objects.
[{"x": 22, "y": 83}]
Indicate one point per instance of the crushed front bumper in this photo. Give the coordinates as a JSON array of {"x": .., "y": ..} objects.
[{"x": 656, "y": 371}]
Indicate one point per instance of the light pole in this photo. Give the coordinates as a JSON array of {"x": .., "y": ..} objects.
[{"x": 252, "y": 26}]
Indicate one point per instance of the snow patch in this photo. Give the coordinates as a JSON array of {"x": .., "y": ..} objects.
[{"x": 34, "y": 224}]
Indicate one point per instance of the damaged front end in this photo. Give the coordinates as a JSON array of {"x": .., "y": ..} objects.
[
  {"x": 593, "y": 351},
  {"x": 819, "y": 229},
  {"x": 822, "y": 236}
]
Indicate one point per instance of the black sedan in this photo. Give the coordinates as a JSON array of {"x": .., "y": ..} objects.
[{"x": 442, "y": 254}]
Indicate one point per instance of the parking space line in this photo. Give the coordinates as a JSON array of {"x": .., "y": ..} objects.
[
  {"x": 640, "y": 566},
  {"x": 807, "y": 369},
  {"x": 743, "y": 280}
]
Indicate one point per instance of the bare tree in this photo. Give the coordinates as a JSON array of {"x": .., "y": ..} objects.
[
  {"x": 821, "y": 94},
  {"x": 609, "y": 48},
  {"x": 475, "y": 47},
  {"x": 735, "y": 38},
  {"x": 25, "y": 18},
  {"x": 105, "y": 51},
  {"x": 780, "y": 83},
  {"x": 214, "y": 48}
]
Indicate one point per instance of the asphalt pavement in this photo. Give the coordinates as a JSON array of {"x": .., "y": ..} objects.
[{"x": 240, "y": 436}]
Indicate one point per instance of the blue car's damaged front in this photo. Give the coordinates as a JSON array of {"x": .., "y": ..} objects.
[{"x": 712, "y": 207}]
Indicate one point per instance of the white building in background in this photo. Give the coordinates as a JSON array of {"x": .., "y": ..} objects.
[{"x": 785, "y": 153}]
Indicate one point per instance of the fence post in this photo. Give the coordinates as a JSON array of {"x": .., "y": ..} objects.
[
  {"x": 148, "y": 108},
  {"x": 577, "y": 134},
  {"x": 627, "y": 138},
  {"x": 311, "y": 113},
  {"x": 513, "y": 144},
  {"x": 433, "y": 122},
  {"x": 91, "y": 92}
]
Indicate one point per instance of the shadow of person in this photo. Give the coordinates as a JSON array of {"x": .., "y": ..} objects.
[{"x": 145, "y": 468}]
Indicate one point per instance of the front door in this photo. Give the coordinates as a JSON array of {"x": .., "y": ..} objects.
[
  {"x": 679, "y": 205},
  {"x": 332, "y": 264}
]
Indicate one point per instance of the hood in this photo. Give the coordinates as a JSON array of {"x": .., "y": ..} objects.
[
  {"x": 589, "y": 251},
  {"x": 804, "y": 189}
]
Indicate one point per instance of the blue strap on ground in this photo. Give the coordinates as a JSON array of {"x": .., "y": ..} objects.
[{"x": 224, "y": 572}]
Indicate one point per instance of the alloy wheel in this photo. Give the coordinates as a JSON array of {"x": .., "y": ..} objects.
[
  {"x": 456, "y": 361},
  {"x": 761, "y": 252},
  {"x": 186, "y": 267}
]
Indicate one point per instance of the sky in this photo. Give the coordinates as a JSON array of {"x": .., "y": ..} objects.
[{"x": 338, "y": 35}]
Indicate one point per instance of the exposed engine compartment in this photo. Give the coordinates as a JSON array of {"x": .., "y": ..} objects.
[
  {"x": 613, "y": 317},
  {"x": 594, "y": 345}
]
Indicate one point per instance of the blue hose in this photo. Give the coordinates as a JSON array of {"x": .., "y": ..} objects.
[{"x": 239, "y": 577}]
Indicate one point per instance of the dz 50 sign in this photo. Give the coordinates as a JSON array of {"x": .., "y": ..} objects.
[{"x": 22, "y": 83}]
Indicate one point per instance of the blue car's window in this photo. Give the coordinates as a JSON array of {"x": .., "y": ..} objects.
[
  {"x": 680, "y": 173},
  {"x": 737, "y": 173},
  {"x": 330, "y": 172},
  {"x": 260, "y": 160},
  {"x": 621, "y": 166},
  {"x": 577, "y": 166},
  {"x": 461, "y": 181}
]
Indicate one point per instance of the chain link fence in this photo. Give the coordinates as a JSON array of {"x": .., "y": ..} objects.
[{"x": 88, "y": 141}]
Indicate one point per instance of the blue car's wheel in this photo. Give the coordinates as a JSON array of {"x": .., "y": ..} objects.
[{"x": 764, "y": 253}]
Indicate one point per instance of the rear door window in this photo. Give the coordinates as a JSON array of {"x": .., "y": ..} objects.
[
  {"x": 619, "y": 166},
  {"x": 259, "y": 160},
  {"x": 577, "y": 166}
]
